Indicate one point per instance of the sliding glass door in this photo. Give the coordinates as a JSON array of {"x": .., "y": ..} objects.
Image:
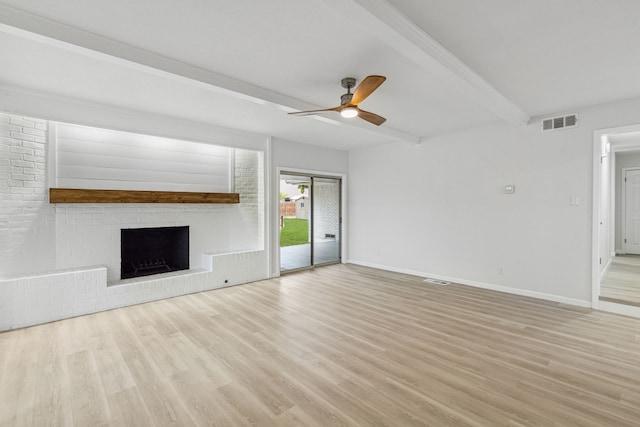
[{"x": 310, "y": 221}]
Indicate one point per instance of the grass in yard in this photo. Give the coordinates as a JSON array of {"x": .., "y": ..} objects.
[{"x": 294, "y": 232}]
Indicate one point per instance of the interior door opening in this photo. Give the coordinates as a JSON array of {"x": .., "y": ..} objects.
[
  {"x": 616, "y": 226},
  {"x": 631, "y": 212},
  {"x": 310, "y": 221}
]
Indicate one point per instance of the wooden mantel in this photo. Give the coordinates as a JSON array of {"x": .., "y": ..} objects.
[{"x": 74, "y": 195}]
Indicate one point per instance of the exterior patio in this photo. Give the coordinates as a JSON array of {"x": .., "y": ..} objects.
[{"x": 299, "y": 256}]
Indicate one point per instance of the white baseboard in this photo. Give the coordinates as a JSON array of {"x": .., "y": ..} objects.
[
  {"x": 476, "y": 284},
  {"x": 606, "y": 267}
]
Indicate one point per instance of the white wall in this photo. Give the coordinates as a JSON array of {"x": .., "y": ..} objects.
[
  {"x": 294, "y": 155},
  {"x": 438, "y": 209}
]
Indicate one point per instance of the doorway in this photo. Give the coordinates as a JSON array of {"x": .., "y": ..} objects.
[
  {"x": 310, "y": 220},
  {"x": 620, "y": 279},
  {"x": 631, "y": 211},
  {"x": 616, "y": 220}
]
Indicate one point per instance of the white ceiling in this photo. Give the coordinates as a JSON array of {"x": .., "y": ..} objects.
[{"x": 243, "y": 64}]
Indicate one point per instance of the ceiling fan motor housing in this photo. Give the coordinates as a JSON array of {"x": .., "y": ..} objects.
[{"x": 348, "y": 83}]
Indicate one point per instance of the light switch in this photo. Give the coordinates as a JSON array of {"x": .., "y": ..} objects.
[{"x": 574, "y": 200}]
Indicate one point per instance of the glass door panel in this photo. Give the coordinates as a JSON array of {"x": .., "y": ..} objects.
[
  {"x": 295, "y": 221},
  {"x": 326, "y": 220}
]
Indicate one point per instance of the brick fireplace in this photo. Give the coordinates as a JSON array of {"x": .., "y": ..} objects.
[{"x": 62, "y": 260}]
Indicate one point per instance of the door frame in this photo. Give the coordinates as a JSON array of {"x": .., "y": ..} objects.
[
  {"x": 623, "y": 206},
  {"x": 275, "y": 221},
  {"x": 603, "y": 147}
]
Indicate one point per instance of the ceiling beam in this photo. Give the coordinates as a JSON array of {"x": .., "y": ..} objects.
[
  {"x": 387, "y": 23},
  {"x": 27, "y": 25},
  {"x": 62, "y": 108}
]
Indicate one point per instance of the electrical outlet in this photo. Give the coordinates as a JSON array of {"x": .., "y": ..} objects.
[{"x": 500, "y": 270}]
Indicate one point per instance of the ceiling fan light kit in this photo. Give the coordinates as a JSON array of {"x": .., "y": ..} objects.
[
  {"x": 349, "y": 102},
  {"x": 348, "y": 112}
]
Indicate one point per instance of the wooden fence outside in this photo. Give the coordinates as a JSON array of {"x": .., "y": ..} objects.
[{"x": 287, "y": 209}]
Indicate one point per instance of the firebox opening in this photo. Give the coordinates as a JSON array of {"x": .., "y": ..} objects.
[{"x": 147, "y": 251}]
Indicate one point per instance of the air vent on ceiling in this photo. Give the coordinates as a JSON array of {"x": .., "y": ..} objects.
[{"x": 562, "y": 122}]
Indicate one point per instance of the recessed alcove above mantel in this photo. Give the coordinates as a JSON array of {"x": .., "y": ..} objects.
[
  {"x": 75, "y": 195},
  {"x": 91, "y": 165}
]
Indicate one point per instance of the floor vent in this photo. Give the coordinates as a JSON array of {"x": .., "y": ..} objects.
[
  {"x": 436, "y": 281},
  {"x": 562, "y": 122}
]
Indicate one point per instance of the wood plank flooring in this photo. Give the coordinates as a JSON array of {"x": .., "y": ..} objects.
[
  {"x": 337, "y": 346},
  {"x": 621, "y": 281}
]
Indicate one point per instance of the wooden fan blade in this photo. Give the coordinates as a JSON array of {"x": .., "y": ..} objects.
[
  {"x": 309, "y": 112},
  {"x": 366, "y": 88},
  {"x": 371, "y": 117}
]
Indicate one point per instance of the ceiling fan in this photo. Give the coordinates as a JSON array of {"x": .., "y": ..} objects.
[{"x": 349, "y": 101}]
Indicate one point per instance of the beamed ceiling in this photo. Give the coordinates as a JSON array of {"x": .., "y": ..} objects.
[{"x": 244, "y": 64}]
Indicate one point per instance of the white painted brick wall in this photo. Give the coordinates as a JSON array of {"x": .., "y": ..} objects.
[
  {"x": 26, "y": 218},
  {"x": 90, "y": 234},
  {"x": 37, "y": 299},
  {"x": 249, "y": 169},
  {"x": 327, "y": 209},
  {"x": 56, "y": 260}
]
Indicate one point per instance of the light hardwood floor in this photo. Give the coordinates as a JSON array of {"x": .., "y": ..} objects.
[
  {"x": 621, "y": 282},
  {"x": 340, "y": 345}
]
